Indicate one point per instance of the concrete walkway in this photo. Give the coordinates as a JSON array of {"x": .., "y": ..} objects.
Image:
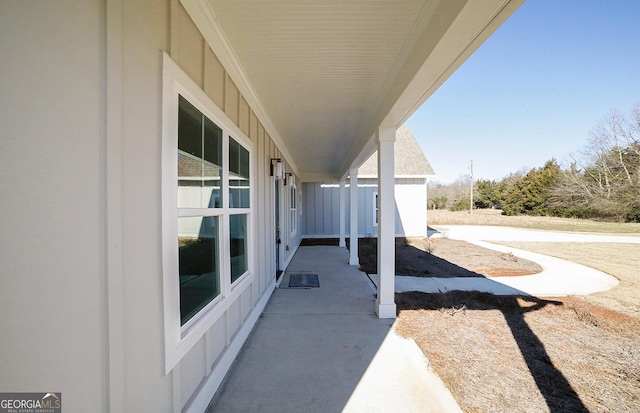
[
  {"x": 558, "y": 278},
  {"x": 324, "y": 350}
]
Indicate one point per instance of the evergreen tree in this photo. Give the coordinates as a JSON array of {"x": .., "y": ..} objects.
[
  {"x": 530, "y": 194},
  {"x": 486, "y": 194}
]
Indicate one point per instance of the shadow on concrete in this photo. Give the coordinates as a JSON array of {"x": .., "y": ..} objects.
[{"x": 311, "y": 347}]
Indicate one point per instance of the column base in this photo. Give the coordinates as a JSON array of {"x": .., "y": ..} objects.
[{"x": 386, "y": 310}]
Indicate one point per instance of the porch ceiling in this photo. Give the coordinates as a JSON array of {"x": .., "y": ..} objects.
[{"x": 327, "y": 73}]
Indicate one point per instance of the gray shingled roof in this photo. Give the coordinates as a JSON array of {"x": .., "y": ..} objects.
[{"x": 409, "y": 158}]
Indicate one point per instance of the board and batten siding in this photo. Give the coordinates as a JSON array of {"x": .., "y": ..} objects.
[
  {"x": 321, "y": 208},
  {"x": 52, "y": 260},
  {"x": 192, "y": 53},
  {"x": 84, "y": 104}
]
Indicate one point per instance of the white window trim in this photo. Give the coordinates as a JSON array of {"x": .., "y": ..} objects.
[
  {"x": 293, "y": 211},
  {"x": 180, "y": 339}
]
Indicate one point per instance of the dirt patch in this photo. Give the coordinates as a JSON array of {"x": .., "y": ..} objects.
[
  {"x": 443, "y": 257},
  {"x": 516, "y": 353}
]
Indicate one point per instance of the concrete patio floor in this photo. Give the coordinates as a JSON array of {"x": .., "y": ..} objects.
[{"x": 324, "y": 350}]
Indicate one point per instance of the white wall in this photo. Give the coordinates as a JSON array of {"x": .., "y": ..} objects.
[
  {"x": 321, "y": 208},
  {"x": 411, "y": 204},
  {"x": 52, "y": 270},
  {"x": 145, "y": 33},
  {"x": 81, "y": 293}
]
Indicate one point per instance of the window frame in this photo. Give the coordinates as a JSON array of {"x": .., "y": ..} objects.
[
  {"x": 376, "y": 209},
  {"x": 179, "y": 339},
  {"x": 293, "y": 208}
]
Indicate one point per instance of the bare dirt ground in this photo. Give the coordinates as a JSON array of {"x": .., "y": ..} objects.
[
  {"x": 524, "y": 354},
  {"x": 442, "y": 257}
]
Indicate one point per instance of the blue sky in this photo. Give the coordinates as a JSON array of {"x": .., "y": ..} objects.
[{"x": 534, "y": 89}]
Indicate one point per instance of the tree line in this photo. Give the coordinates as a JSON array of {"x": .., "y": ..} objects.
[{"x": 601, "y": 180}]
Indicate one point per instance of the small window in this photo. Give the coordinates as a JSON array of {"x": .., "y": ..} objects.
[
  {"x": 294, "y": 209},
  {"x": 376, "y": 209}
]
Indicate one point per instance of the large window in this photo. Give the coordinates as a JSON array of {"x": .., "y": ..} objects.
[
  {"x": 201, "y": 207},
  {"x": 199, "y": 197},
  {"x": 206, "y": 212}
]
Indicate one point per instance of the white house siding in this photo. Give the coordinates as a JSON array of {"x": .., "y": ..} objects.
[
  {"x": 145, "y": 32},
  {"x": 204, "y": 366},
  {"x": 321, "y": 208},
  {"x": 80, "y": 173},
  {"x": 411, "y": 204},
  {"x": 52, "y": 300}
]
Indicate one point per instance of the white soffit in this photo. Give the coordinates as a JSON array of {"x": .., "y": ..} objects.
[{"x": 327, "y": 73}]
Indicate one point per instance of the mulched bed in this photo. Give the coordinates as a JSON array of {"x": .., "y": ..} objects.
[
  {"x": 443, "y": 257},
  {"x": 524, "y": 354},
  {"x": 439, "y": 257}
]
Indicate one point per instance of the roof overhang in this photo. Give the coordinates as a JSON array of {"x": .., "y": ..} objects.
[{"x": 323, "y": 76}]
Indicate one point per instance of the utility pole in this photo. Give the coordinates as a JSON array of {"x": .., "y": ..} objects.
[{"x": 471, "y": 197}]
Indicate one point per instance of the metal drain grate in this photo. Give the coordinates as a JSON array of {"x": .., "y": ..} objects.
[{"x": 304, "y": 281}]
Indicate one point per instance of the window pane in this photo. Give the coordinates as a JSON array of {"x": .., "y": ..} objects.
[
  {"x": 199, "y": 159},
  {"x": 212, "y": 168},
  {"x": 198, "y": 264},
  {"x": 244, "y": 163},
  {"x": 234, "y": 156},
  {"x": 212, "y": 192},
  {"x": 189, "y": 181},
  {"x": 238, "y": 175},
  {"x": 238, "y": 193},
  {"x": 238, "y": 235},
  {"x": 212, "y": 142},
  {"x": 189, "y": 128}
]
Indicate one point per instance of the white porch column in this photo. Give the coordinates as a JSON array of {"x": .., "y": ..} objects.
[
  {"x": 343, "y": 204},
  {"x": 385, "y": 303},
  {"x": 353, "y": 224}
]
